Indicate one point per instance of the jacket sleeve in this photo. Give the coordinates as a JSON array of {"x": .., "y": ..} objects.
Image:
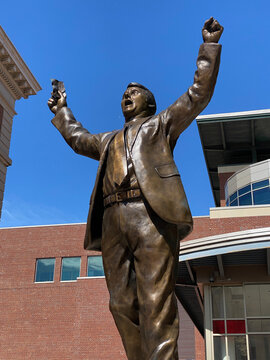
[
  {"x": 78, "y": 138},
  {"x": 179, "y": 115}
]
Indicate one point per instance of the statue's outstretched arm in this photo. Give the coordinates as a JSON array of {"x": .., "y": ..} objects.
[
  {"x": 179, "y": 115},
  {"x": 80, "y": 139}
]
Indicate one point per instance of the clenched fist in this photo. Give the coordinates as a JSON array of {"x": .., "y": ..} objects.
[{"x": 212, "y": 31}]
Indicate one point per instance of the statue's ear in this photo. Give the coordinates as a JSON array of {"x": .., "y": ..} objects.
[{"x": 152, "y": 109}]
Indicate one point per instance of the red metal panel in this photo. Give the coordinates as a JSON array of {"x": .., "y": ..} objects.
[
  {"x": 236, "y": 327},
  {"x": 218, "y": 327}
]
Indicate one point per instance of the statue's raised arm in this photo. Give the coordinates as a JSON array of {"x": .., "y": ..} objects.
[
  {"x": 180, "y": 114},
  {"x": 77, "y": 137}
]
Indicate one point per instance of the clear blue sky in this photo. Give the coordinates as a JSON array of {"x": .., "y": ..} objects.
[{"x": 97, "y": 47}]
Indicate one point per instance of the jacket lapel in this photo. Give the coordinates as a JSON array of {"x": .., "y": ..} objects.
[{"x": 133, "y": 131}]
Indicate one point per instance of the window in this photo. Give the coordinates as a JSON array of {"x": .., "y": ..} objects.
[
  {"x": 95, "y": 266},
  {"x": 233, "y": 197},
  {"x": 245, "y": 199},
  {"x": 257, "y": 193},
  {"x": 261, "y": 196},
  {"x": 260, "y": 184},
  {"x": 240, "y": 322},
  {"x": 44, "y": 270},
  {"x": 70, "y": 268},
  {"x": 244, "y": 190}
]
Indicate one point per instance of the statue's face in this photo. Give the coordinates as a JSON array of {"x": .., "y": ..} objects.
[{"x": 134, "y": 103}]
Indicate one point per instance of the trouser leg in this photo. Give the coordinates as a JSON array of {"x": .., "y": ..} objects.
[
  {"x": 121, "y": 281},
  {"x": 155, "y": 249},
  {"x": 140, "y": 255}
]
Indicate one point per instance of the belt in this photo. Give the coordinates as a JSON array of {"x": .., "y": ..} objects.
[{"x": 122, "y": 196}]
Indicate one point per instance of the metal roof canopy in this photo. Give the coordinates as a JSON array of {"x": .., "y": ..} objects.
[
  {"x": 245, "y": 247},
  {"x": 233, "y": 139},
  {"x": 187, "y": 289}
]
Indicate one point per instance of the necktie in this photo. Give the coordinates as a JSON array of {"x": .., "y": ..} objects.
[{"x": 120, "y": 160}]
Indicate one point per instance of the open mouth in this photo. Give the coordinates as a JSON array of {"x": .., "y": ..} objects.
[{"x": 128, "y": 102}]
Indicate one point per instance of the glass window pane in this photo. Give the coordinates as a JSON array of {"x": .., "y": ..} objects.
[
  {"x": 95, "y": 266},
  {"x": 233, "y": 196},
  {"x": 70, "y": 268},
  {"x": 259, "y": 347},
  {"x": 258, "y": 325},
  {"x": 260, "y": 184},
  {"x": 261, "y": 196},
  {"x": 219, "y": 348},
  {"x": 237, "y": 348},
  {"x": 44, "y": 270},
  {"x": 217, "y": 302},
  {"x": 265, "y": 299},
  {"x": 234, "y": 203},
  {"x": 245, "y": 199},
  {"x": 244, "y": 190},
  {"x": 253, "y": 300},
  {"x": 258, "y": 299},
  {"x": 234, "y": 300}
]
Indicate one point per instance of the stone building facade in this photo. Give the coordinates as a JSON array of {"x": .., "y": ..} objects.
[{"x": 16, "y": 82}]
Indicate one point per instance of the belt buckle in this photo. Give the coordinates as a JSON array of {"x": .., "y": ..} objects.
[
  {"x": 134, "y": 193},
  {"x": 118, "y": 197}
]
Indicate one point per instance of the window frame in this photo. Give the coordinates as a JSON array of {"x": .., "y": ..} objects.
[
  {"x": 233, "y": 199},
  {"x": 61, "y": 273},
  {"x": 209, "y": 335},
  {"x": 36, "y": 268},
  {"x": 92, "y": 276}
]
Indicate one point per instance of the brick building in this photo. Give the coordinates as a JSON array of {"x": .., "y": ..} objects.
[{"x": 54, "y": 299}]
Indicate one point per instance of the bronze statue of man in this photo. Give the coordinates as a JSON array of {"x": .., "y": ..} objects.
[{"x": 138, "y": 208}]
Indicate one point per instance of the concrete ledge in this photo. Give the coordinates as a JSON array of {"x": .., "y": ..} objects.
[{"x": 239, "y": 211}]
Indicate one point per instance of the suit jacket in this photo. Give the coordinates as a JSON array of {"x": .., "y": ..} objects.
[{"x": 151, "y": 145}]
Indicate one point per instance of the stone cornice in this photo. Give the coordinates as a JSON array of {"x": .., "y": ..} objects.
[{"x": 14, "y": 73}]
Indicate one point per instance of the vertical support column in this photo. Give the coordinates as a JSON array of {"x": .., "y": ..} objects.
[{"x": 209, "y": 351}]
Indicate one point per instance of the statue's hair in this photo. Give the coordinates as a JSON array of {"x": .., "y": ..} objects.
[{"x": 149, "y": 96}]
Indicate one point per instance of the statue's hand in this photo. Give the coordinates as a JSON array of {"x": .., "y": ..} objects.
[
  {"x": 57, "y": 104},
  {"x": 211, "y": 31}
]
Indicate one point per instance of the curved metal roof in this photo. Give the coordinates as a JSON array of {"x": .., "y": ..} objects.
[
  {"x": 233, "y": 139},
  {"x": 247, "y": 247}
]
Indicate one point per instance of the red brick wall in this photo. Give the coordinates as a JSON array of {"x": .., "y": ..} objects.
[
  {"x": 204, "y": 226},
  {"x": 59, "y": 320},
  {"x": 71, "y": 320},
  {"x": 199, "y": 346},
  {"x": 55, "y": 320}
]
